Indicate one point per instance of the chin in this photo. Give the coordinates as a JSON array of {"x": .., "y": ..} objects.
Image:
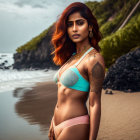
[{"x": 77, "y": 40}]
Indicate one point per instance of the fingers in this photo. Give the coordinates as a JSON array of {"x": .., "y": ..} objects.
[
  {"x": 51, "y": 131},
  {"x": 51, "y": 134}
]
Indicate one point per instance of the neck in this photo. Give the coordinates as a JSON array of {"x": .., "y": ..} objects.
[{"x": 82, "y": 46}]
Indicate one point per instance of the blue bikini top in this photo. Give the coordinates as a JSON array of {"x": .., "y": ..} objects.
[{"x": 71, "y": 78}]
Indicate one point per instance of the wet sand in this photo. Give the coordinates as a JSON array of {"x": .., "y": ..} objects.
[{"x": 26, "y": 114}]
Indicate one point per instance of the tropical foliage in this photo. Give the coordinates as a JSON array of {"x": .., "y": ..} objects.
[{"x": 122, "y": 41}]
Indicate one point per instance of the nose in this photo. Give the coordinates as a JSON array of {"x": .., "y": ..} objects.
[{"x": 74, "y": 27}]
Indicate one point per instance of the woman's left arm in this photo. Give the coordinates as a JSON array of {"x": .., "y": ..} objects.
[{"x": 96, "y": 72}]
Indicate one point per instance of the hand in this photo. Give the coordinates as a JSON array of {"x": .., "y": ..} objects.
[{"x": 51, "y": 132}]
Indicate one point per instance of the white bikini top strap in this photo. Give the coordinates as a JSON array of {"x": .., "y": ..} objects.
[{"x": 83, "y": 56}]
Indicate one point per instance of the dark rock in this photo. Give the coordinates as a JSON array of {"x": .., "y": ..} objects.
[
  {"x": 108, "y": 92},
  {"x": 3, "y": 55},
  {"x": 46, "y": 70},
  {"x": 2, "y": 64},
  {"x": 6, "y": 68},
  {"x": 3, "y": 67},
  {"x": 124, "y": 74},
  {"x": 5, "y": 61}
]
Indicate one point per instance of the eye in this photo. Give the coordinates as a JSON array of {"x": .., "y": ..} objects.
[
  {"x": 80, "y": 22},
  {"x": 69, "y": 24}
]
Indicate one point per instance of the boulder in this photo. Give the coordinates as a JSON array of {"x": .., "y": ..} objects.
[{"x": 124, "y": 74}]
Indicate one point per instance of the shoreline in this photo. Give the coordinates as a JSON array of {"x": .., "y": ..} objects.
[{"x": 120, "y": 115}]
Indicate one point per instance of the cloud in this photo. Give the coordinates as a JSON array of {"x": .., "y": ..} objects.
[
  {"x": 23, "y": 19},
  {"x": 35, "y": 4},
  {"x": 22, "y": 11},
  {"x": 39, "y": 3}
]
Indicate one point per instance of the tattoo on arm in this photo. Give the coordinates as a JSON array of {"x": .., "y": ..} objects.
[{"x": 97, "y": 74}]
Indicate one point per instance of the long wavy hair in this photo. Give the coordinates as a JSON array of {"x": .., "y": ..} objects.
[{"x": 63, "y": 46}]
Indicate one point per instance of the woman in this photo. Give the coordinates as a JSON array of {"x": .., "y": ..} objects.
[{"x": 81, "y": 75}]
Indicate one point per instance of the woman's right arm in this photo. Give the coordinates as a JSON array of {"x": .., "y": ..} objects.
[{"x": 96, "y": 72}]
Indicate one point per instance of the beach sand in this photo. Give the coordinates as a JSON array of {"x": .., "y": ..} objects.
[{"x": 120, "y": 117}]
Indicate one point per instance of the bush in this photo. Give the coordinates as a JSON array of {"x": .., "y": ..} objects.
[{"x": 122, "y": 41}]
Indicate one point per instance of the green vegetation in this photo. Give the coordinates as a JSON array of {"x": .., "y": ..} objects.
[
  {"x": 122, "y": 41},
  {"x": 111, "y": 13}
]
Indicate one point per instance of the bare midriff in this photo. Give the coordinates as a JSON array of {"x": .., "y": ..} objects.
[{"x": 70, "y": 104}]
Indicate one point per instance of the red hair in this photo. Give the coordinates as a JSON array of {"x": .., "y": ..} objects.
[{"x": 63, "y": 46}]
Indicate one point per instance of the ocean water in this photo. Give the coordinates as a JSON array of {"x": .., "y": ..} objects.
[
  {"x": 23, "y": 116},
  {"x": 11, "y": 78}
]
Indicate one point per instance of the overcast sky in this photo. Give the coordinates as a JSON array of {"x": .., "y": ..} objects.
[{"x": 21, "y": 20}]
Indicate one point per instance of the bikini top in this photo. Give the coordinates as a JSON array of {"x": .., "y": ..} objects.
[{"x": 71, "y": 78}]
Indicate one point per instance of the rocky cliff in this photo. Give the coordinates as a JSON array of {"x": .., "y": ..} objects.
[{"x": 39, "y": 58}]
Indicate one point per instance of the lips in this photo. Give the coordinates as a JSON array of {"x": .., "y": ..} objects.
[{"x": 75, "y": 35}]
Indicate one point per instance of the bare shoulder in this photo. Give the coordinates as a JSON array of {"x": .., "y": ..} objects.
[{"x": 95, "y": 58}]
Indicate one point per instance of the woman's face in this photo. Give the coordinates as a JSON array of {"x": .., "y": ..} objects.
[{"x": 77, "y": 28}]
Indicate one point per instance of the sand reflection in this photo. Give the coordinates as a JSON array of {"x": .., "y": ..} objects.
[{"x": 36, "y": 105}]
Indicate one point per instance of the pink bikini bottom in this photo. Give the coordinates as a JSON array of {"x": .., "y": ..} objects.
[{"x": 70, "y": 122}]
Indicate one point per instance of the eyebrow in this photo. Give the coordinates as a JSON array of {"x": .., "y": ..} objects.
[{"x": 76, "y": 20}]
